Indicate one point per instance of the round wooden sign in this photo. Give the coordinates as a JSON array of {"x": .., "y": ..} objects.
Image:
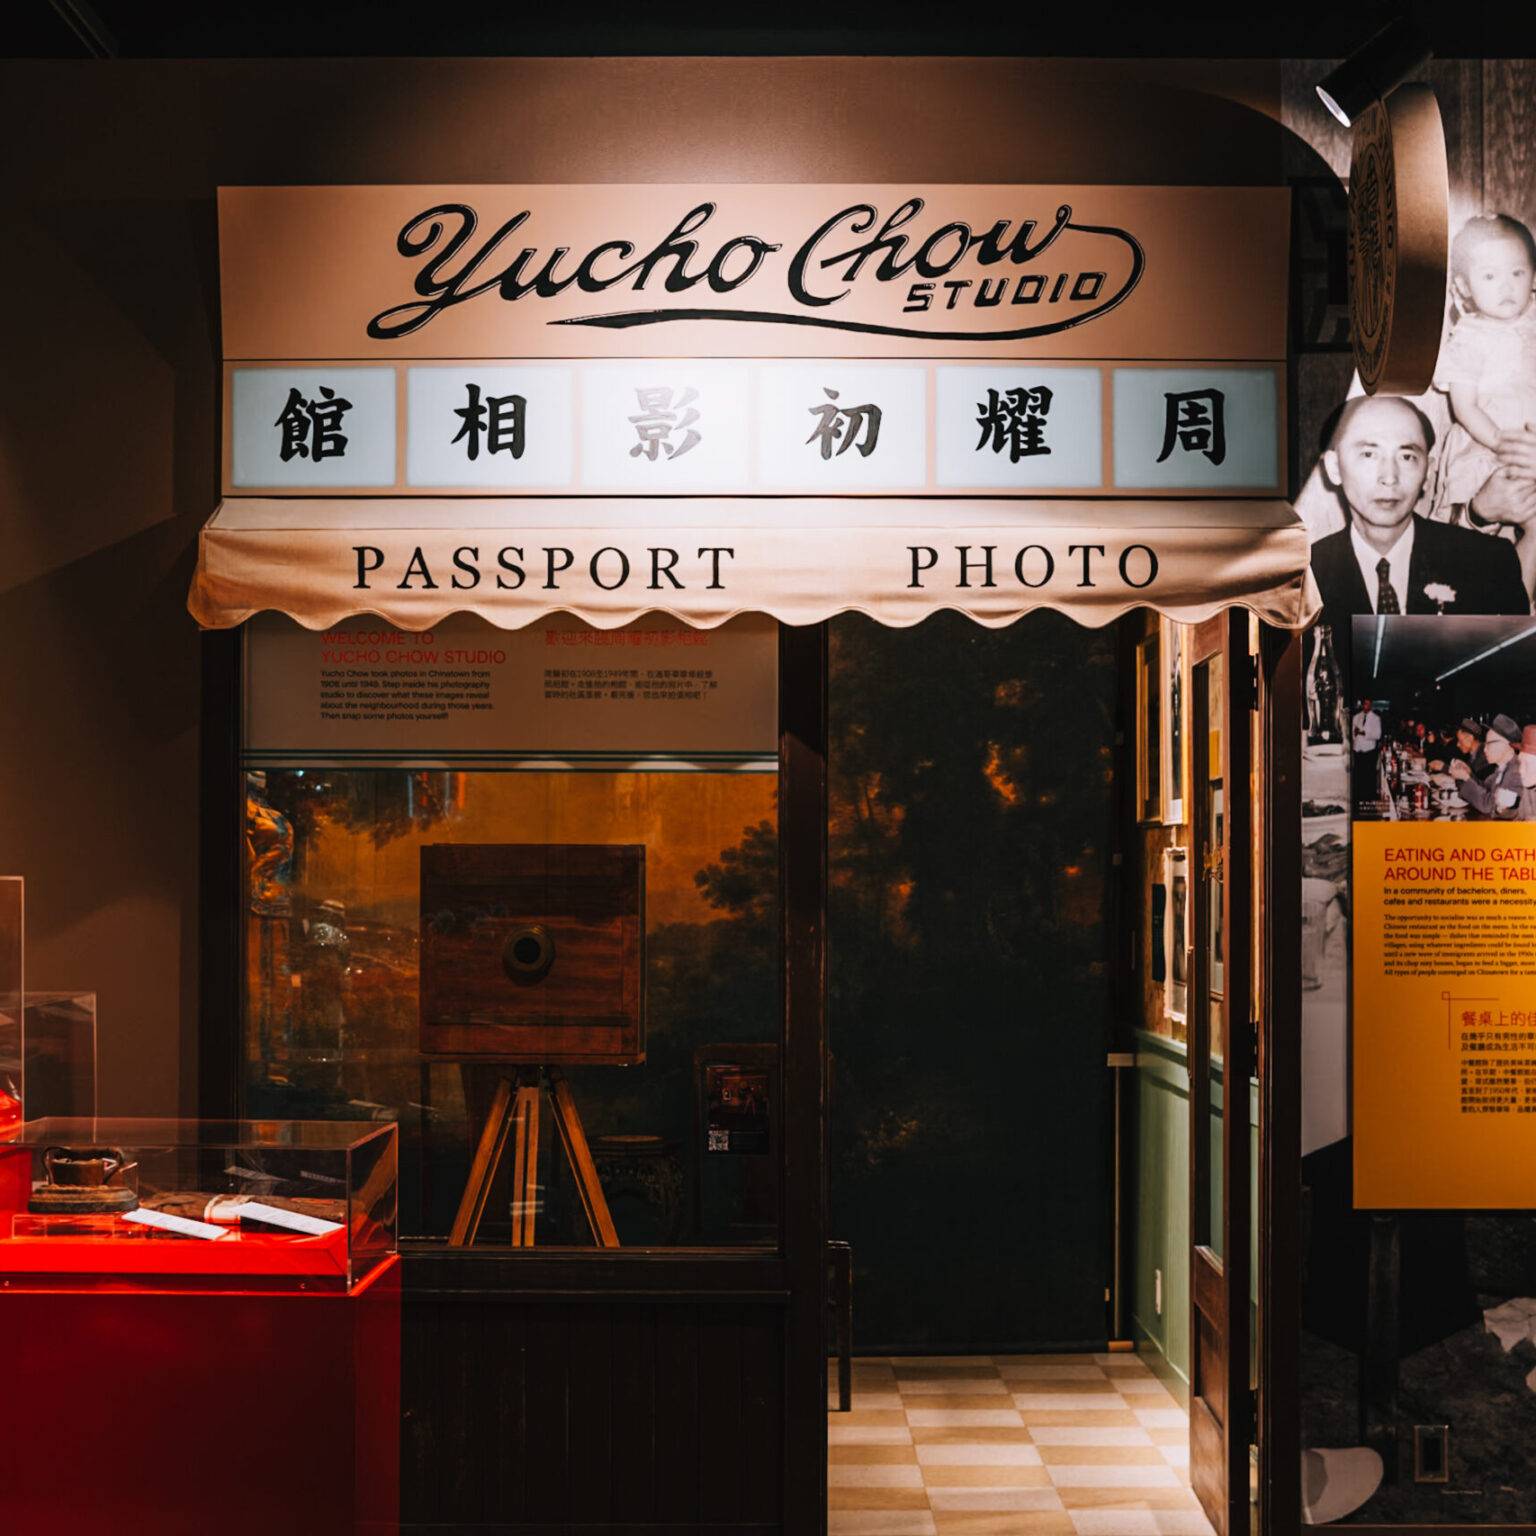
[{"x": 1399, "y": 216}]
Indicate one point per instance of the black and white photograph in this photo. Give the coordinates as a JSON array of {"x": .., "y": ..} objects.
[
  {"x": 1149, "y": 743},
  {"x": 1447, "y": 728},
  {"x": 1176, "y": 917},
  {"x": 1175, "y": 690}
]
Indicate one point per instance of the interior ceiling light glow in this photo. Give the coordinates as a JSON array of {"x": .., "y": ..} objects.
[
  {"x": 1492, "y": 650},
  {"x": 1381, "y": 630}
]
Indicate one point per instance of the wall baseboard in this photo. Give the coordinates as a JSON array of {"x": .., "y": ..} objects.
[{"x": 1149, "y": 1350}]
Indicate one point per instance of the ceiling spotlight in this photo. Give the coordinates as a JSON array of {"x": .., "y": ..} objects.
[{"x": 1374, "y": 70}]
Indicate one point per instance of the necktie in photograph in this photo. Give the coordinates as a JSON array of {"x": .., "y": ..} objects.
[{"x": 1386, "y": 598}]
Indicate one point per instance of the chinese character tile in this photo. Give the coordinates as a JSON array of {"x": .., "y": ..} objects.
[
  {"x": 666, "y": 425},
  {"x": 1019, "y": 427},
  {"x": 489, "y": 427},
  {"x": 842, "y": 427},
  {"x": 1195, "y": 429},
  {"x": 312, "y": 427}
]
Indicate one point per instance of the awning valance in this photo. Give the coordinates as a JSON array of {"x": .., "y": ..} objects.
[{"x": 412, "y": 561}]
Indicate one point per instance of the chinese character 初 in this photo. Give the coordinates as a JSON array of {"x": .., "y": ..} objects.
[
  {"x": 659, "y": 418},
  {"x": 499, "y": 419},
  {"x": 312, "y": 428},
  {"x": 1015, "y": 419},
  {"x": 1195, "y": 422},
  {"x": 845, "y": 425}
]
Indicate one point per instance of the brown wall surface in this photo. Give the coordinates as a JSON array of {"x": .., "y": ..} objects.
[{"x": 108, "y": 391}]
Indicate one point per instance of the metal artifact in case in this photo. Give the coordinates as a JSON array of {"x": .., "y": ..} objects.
[{"x": 271, "y": 1202}]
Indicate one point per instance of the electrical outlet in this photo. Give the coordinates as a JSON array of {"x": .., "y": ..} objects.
[
  {"x": 1157, "y": 1292},
  {"x": 1431, "y": 1453}
]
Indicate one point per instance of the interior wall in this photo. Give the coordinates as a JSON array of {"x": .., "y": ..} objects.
[
  {"x": 108, "y": 401},
  {"x": 1390, "y": 1344}
]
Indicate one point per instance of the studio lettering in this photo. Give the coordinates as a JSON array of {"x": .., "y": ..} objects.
[{"x": 455, "y": 269}]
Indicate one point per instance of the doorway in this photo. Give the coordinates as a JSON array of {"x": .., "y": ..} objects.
[{"x": 1033, "y": 888}]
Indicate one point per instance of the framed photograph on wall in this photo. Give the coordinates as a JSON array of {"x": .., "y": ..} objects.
[
  {"x": 1149, "y": 732},
  {"x": 1175, "y": 726},
  {"x": 1176, "y": 917}
]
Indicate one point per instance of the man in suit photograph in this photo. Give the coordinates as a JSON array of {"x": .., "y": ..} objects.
[{"x": 1385, "y": 559}]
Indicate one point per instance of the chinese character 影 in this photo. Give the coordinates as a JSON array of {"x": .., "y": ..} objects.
[{"x": 659, "y": 418}]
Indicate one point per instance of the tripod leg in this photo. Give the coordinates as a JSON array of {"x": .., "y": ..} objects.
[
  {"x": 579, "y": 1155},
  {"x": 482, "y": 1171},
  {"x": 525, "y": 1166}
]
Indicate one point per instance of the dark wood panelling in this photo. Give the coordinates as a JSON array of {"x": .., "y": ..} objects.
[
  {"x": 803, "y": 915},
  {"x": 1279, "y": 1318},
  {"x": 560, "y": 1416},
  {"x": 221, "y": 843},
  {"x": 1509, "y": 145},
  {"x": 599, "y": 1395},
  {"x": 1458, "y": 87}
]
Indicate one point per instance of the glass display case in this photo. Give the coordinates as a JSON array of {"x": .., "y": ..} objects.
[
  {"x": 59, "y": 1042},
  {"x": 10, "y": 1002},
  {"x": 307, "y": 1205}
]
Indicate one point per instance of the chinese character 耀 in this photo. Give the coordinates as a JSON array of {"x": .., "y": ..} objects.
[
  {"x": 846, "y": 426},
  {"x": 312, "y": 428},
  {"x": 499, "y": 419},
  {"x": 659, "y": 418},
  {"x": 1014, "y": 419},
  {"x": 1195, "y": 422}
]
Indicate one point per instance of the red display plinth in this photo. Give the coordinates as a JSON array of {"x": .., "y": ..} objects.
[{"x": 129, "y": 1411}]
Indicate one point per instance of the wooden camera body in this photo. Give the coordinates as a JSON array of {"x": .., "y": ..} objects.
[{"x": 533, "y": 952}]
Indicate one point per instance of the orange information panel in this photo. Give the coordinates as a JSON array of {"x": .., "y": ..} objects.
[{"x": 1444, "y": 1061}]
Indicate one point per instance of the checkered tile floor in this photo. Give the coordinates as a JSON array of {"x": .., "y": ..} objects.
[{"x": 1010, "y": 1445}]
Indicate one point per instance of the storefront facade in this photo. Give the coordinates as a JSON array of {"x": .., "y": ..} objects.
[{"x": 567, "y": 473}]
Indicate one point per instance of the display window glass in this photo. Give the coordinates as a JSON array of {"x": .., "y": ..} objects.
[{"x": 556, "y": 967}]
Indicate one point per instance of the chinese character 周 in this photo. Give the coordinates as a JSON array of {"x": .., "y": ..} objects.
[{"x": 1195, "y": 422}]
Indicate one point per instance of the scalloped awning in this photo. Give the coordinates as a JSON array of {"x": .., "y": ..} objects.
[{"x": 514, "y": 561}]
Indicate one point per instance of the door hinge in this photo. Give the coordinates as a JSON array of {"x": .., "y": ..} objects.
[{"x": 1253, "y": 682}]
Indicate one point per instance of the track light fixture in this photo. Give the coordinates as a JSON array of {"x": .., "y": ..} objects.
[{"x": 1374, "y": 70}]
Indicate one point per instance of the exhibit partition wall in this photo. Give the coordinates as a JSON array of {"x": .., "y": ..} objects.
[{"x": 1417, "y": 1266}]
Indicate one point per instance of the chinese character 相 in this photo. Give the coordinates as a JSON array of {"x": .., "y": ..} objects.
[
  {"x": 312, "y": 428},
  {"x": 1195, "y": 422},
  {"x": 846, "y": 426},
  {"x": 659, "y": 417},
  {"x": 1014, "y": 419},
  {"x": 499, "y": 419}
]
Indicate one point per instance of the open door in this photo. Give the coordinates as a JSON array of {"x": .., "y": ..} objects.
[{"x": 1221, "y": 1065}]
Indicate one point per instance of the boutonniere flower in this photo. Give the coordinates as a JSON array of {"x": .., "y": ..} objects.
[{"x": 1440, "y": 594}]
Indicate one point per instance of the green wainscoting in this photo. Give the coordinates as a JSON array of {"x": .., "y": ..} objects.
[
  {"x": 1160, "y": 1219},
  {"x": 1160, "y": 1209}
]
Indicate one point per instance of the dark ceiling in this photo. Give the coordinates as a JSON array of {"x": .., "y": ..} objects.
[{"x": 351, "y": 28}]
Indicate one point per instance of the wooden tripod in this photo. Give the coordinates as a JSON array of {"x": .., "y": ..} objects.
[{"x": 515, "y": 1113}]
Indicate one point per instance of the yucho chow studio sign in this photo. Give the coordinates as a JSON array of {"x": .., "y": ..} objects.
[
  {"x": 766, "y": 271},
  {"x": 783, "y": 399}
]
